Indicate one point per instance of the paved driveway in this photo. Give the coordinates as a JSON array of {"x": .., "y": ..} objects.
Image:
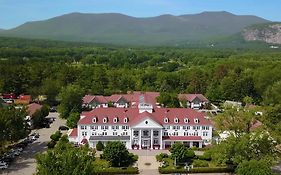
[{"x": 25, "y": 164}]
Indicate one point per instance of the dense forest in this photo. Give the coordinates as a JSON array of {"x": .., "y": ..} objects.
[{"x": 43, "y": 67}]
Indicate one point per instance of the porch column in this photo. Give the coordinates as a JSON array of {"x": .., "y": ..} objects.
[
  {"x": 151, "y": 139},
  {"x": 131, "y": 138},
  {"x": 190, "y": 144},
  {"x": 160, "y": 140},
  {"x": 200, "y": 144},
  {"x": 140, "y": 139},
  {"x": 163, "y": 144}
]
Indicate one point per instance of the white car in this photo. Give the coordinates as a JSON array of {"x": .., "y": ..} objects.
[{"x": 3, "y": 165}]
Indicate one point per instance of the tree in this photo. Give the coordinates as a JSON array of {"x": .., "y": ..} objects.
[
  {"x": 13, "y": 125},
  {"x": 256, "y": 167},
  {"x": 117, "y": 154},
  {"x": 65, "y": 159},
  {"x": 39, "y": 116},
  {"x": 71, "y": 100},
  {"x": 168, "y": 100},
  {"x": 99, "y": 146},
  {"x": 234, "y": 120},
  {"x": 180, "y": 153},
  {"x": 73, "y": 119}
]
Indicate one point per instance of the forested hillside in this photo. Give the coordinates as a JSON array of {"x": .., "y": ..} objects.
[{"x": 45, "y": 67}]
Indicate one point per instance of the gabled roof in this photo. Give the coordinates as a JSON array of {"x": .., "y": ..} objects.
[
  {"x": 32, "y": 108},
  {"x": 73, "y": 133},
  {"x": 87, "y": 99},
  {"x": 158, "y": 115},
  {"x": 191, "y": 97}
]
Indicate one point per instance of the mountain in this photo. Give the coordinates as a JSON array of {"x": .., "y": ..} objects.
[
  {"x": 268, "y": 32},
  {"x": 113, "y": 28}
]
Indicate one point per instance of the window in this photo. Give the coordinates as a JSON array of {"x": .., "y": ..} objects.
[
  {"x": 136, "y": 133},
  {"x": 183, "y": 127},
  {"x": 94, "y": 120},
  {"x": 185, "y": 133},
  {"x": 145, "y": 133},
  {"x": 176, "y": 120},
  {"x": 126, "y": 120},
  {"x": 198, "y": 127},
  {"x": 125, "y": 127},
  {"x": 112, "y": 127},
  {"x": 194, "y": 127},
  {"x": 94, "y": 133},
  {"x": 205, "y": 133},
  {"x": 104, "y": 127},
  {"x": 94, "y": 127},
  {"x": 104, "y": 133},
  {"x": 155, "y": 142},
  {"x": 195, "y": 133},
  {"x": 176, "y": 134},
  {"x": 83, "y": 127},
  {"x": 165, "y": 133},
  {"x": 174, "y": 127},
  {"x": 125, "y": 133},
  {"x": 167, "y": 127},
  {"x": 186, "y": 120},
  {"x": 155, "y": 133},
  {"x": 115, "y": 120},
  {"x": 166, "y": 120},
  {"x": 205, "y": 127},
  {"x": 84, "y": 133},
  {"x": 196, "y": 120},
  {"x": 105, "y": 120},
  {"x": 114, "y": 133}
]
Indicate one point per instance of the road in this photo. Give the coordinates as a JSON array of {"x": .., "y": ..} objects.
[{"x": 25, "y": 164}]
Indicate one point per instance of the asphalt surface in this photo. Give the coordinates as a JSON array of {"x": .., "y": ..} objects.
[{"x": 25, "y": 164}]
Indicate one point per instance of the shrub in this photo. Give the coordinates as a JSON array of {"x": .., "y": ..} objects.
[
  {"x": 206, "y": 156},
  {"x": 133, "y": 157},
  {"x": 51, "y": 144},
  {"x": 169, "y": 170},
  {"x": 200, "y": 163},
  {"x": 161, "y": 156},
  {"x": 109, "y": 171},
  {"x": 56, "y": 136},
  {"x": 99, "y": 146}
]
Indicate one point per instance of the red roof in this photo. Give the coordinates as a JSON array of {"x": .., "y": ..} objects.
[
  {"x": 32, "y": 108},
  {"x": 25, "y": 97},
  {"x": 255, "y": 125},
  {"x": 158, "y": 115},
  {"x": 88, "y": 98},
  {"x": 191, "y": 97},
  {"x": 73, "y": 133},
  {"x": 187, "y": 138}
]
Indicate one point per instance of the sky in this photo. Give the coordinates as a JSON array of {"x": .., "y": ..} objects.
[{"x": 16, "y": 12}]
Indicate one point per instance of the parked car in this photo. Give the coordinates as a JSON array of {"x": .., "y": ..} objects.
[
  {"x": 53, "y": 109},
  {"x": 63, "y": 128},
  {"x": 3, "y": 166}
]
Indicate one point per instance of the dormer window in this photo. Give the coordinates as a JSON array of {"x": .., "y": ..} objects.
[
  {"x": 196, "y": 120},
  {"x": 186, "y": 120},
  {"x": 105, "y": 120},
  {"x": 94, "y": 120},
  {"x": 115, "y": 120},
  {"x": 166, "y": 120},
  {"x": 176, "y": 120},
  {"x": 126, "y": 120}
]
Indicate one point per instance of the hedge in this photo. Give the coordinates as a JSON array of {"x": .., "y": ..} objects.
[
  {"x": 197, "y": 170},
  {"x": 109, "y": 171}
]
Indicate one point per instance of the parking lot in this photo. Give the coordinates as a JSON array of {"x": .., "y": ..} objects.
[{"x": 25, "y": 163}]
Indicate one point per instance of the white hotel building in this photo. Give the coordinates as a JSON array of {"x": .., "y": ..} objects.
[{"x": 143, "y": 127}]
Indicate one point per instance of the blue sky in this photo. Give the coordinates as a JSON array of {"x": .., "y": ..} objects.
[{"x": 16, "y": 12}]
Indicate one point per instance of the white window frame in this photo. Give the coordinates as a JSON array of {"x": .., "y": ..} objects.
[
  {"x": 196, "y": 120},
  {"x": 104, "y": 120},
  {"x": 166, "y": 120},
  {"x": 186, "y": 120},
  {"x": 94, "y": 120},
  {"x": 115, "y": 120},
  {"x": 176, "y": 120},
  {"x": 126, "y": 120}
]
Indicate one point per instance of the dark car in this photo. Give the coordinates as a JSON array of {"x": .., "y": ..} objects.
[
  {"x": 53, "y": 109},
  {"x": 62, "y": 128}
]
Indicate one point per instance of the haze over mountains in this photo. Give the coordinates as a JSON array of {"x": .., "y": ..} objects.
[{"x": 113, "y": 28}]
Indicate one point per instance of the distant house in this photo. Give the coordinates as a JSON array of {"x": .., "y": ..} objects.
[
  {"x": 23, "y": 99},
  {"x": 9, "y": 98},
  {"x": 91, "y": 102},
  {"x": 31, "y": 109},
  {"x": 193, "y": 101}
]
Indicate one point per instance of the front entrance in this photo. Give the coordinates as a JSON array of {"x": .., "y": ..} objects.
[{"x": 145, "y": 144}]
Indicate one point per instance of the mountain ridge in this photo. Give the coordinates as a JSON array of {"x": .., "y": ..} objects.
[{"x": 116, "y": 28}]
